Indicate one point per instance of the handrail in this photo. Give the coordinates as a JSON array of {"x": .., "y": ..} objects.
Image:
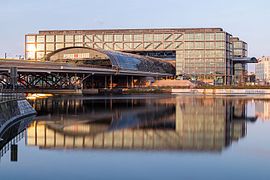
[{"x": 9, "y": 95}]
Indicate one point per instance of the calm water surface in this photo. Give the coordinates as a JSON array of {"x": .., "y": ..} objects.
[{"x": 141, "y": 137}]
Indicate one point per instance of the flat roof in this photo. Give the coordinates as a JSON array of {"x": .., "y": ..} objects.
[{"x": 154, "y": 30}]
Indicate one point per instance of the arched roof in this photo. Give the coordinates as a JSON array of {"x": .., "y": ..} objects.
[{"x": 118, "y": 60}]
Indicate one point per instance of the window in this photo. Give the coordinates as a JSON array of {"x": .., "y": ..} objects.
[
  {"x": 189, "y": 37},
  {"x": 98, "y": 38},
  {"x": 41, "y": 39},
  {"x": 209, "y": 45},
  {"x": 68, "y": 38},
  {"x": 68, "y": 44},
  {"x": 189, "y": 45},
  {"x": 148, "y": 37},
  {"x": 118, "y": 38},
  {"x": 158, "y": 37},
  {"x": 49, "y": 47},
  {"x": 220, "y": 36},
  {"x": 40, "y": 55},
  {"x": 220, "y": 54},
  {"x": 31, "y": 47},
  {"x": 210, "y": 54},
  {"x": 88, "y": 38},
  {"x": 178, "y": 37},
  {"x": 79, "y": 44},
  {"x": 210, "y": 36},
  {"x": 59, "y": 46},
  {"x": 40, "y": 47},
  {"x": 30, "y": 39},
  {"x": 78, "y": 38},
  {"x": 91, "y": 45},
  {"x": 138, "y": 37},
  {"x": 108, "y": 38},
  {"x": 168, "y": 37},
  {"x": 59, "y": 38},
  {"x": 49, "y": 38},
  {"x": 199, "y": 37},
  {"x": 30, "y": 55},
  {"x": 199, "y": 45},
  {"x": 220, "y": 45},
  {"x": 128, "y": 38}
]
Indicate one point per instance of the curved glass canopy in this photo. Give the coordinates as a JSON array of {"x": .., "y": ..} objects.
[{"x": 110, "y": 59}]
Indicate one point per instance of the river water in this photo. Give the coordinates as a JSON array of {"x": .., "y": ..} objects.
[{"x": 142, "y": 137}]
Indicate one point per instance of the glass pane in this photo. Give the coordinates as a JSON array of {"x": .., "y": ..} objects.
[
  {"x": 40, "y": 47},
  {"x": 78, "y": 38},
  {"x": 69, "y": 38},
  {"x": 108, "y": 38},
  {"x": 189, "y": 45},
  {"x": 199, "y": 37},
  {"x": 210, "y": 36},
  {"x": 59, "y": 46},
  {"x": 220, "y": 45},
  {"x": 98, "y": 38},
  {"x": 49, "y": 47},
  {"x": 30, "y": 39},
  {"x": 31, "y": 47},
  {"x": 158, "y": 37},
  {"x": 138, "y": 37},
  {"x": 189, "y": 37},
  {"x": 118, "y": 38},
  {"x": 68, "y": 45},
  {"x": 128, "y": 38},
  {"x": 79, "y": 44},
  {"x": 209, "y": 45},
  {"x": 40, "y": 38},
  {"x": 88, "y": 38},
  {"x": 30, "y": 55},
  {"x": 40, "y": 55},
  {"x": 220, "y": 36},
  {"x": 49, "y": 38},
  {"x": 199, "y": 45},
  {"x": 59, "y": 38},
  {"x": 148, "y": 37}
]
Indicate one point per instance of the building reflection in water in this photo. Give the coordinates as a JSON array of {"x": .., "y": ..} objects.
[
  {"x": 176, "y": 123},
  {"x": 262, "y": 109}
]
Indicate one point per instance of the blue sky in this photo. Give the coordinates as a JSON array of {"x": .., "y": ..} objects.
[{"x": 247, "y": 19}]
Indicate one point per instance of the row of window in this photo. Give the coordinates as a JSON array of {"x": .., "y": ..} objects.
[
  {"x": 127, "y": 37},
  {"x": 206, "y": 45},
  {"x": 240, "y": 52},
  {"x": 203, "y": 54},
  {"x": 240, "y": 45},
  {"x": 201, "y": 70},
  {"x": 146, "y": 45}
]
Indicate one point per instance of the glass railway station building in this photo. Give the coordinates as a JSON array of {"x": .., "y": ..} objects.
[{"x": 206, "y": 54}]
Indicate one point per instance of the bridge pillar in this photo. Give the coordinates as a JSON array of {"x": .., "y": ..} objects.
[
  {"x": 105, "y": 82},
  {"x": 92, "y": 81},
  {"x": 111, "y": 82},
  {"x": 132, "y": 82},
  {"x": 127, "y": 82},
  {"x": 13, "y": 77}
]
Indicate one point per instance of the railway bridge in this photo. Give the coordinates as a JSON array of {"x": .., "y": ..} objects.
[{"x": 82, "y": 68}]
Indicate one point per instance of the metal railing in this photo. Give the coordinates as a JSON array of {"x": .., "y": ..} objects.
[{"x": 10, "y": 94}]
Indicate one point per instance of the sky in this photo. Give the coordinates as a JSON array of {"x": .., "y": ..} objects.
[{"x": 247, "y": 19}]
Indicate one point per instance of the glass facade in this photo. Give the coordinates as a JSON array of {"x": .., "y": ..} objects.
[
  {"x": 122, "y": 61},
  {"x": 239, "y": 51},
  {"x": 201, "y": 52}
]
